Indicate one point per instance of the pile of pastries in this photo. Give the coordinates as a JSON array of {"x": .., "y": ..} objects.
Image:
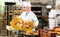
[{"x": 21, "y": 24}]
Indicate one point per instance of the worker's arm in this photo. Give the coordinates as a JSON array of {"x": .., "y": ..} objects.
[
  {"x": 34, "y": 17},
  {"x": 35, "y": 20}
]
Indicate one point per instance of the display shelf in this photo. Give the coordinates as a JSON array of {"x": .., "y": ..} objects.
[
  {"x": 39, "y": 9},
  {"x": 36, "y": 6},
  {"x": 7, "y": 15},
  {"x": 19, "y": 11},
  {"x": 11, "y": 14}
]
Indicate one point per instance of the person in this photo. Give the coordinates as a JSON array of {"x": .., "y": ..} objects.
[
  {"x": 51, "y": 16},
  {"x": 52, "y": 19},
  {"x": 28, "y": 14}
]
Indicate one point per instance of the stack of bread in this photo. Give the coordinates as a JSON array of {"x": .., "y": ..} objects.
[{"x": 21, "y": 24}]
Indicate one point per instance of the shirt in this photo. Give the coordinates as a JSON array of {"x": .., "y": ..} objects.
[
  {"x": 52, "y": 14},
  {"x": 30, "y": 17}
]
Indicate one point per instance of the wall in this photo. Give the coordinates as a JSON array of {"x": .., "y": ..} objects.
[{"x": 57, "y": 2}]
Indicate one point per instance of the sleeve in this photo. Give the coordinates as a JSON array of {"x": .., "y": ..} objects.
[{"x": 35, "y": 20}]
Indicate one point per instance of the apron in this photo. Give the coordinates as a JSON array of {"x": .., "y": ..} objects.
[{"x": 52, "y": 23}]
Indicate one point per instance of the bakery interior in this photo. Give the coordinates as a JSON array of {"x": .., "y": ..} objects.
[{"x": 46, "y": 11}]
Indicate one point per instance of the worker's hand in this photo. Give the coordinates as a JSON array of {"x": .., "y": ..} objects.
[
  {"x": 33, "y": 29},
  {"x": 9, "y": 28}
]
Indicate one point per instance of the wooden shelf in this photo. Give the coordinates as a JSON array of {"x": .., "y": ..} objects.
[
  {"x": 19, "y": 11},
  {"x": 36, "y": 6},
  {"x": 37, "y": 11},
  {"x": 11, "y": 14},
  {"x": 10, "y": 11},
  {"x": 39, "y": 16}
]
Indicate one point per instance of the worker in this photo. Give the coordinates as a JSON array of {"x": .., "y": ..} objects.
[
  {"x": 52, "y": 18},
  {"x": 28, "y": 14}
]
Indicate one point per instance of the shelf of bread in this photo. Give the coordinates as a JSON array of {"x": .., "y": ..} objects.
[
  {"x": 16, "y": 11},
  {"x": 10, "y": 13},
  {"x": 36, "y": 6},
  {"x": 37, "y": 11}
]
